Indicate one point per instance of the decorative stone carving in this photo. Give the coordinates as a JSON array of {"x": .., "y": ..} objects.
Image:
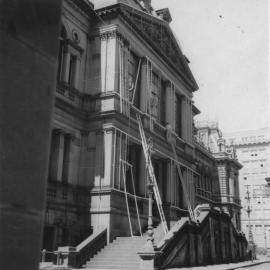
[
  {"x": 75, "y": 36},
  {"x": 114, "y": 33}
]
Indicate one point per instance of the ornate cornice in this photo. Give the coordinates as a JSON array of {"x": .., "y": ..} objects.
[{"x": 85, "y": 7}]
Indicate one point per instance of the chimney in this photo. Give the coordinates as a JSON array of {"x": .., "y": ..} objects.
[{"x": 147, "y": 5}]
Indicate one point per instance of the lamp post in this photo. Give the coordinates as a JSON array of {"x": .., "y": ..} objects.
[
  {"x": 250, "y": 234},
  {"x": 148, "y": 254},
  {"x": 150, "y": 184},
  {"x": 150, "y": 233}
]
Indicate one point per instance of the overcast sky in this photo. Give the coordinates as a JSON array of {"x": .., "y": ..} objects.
[{"x": 226, "y": 42}]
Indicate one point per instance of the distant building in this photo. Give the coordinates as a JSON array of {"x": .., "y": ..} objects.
[
  {"x": 209, "y": 135},
  {"x": 253, "y": 152}
]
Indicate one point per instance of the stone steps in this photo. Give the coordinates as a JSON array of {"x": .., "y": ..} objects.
[{"x": 122, "y": 253}]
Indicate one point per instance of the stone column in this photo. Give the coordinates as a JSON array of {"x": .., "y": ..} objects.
[
  {"x": 143, "y": 93},
  {"x": 191, "y": 122},
  {"x": 231, "y": 241},
  {"x": 185, "y": 177},
  {"x": 222, "y": 240},
  {"x": 103, "y": 167},
  {"x": 109, "y": 50},
  {"x": 99, "y": 164},
  {"x": 117, "y": 163},
  {"x": 142, "y": 174},
  {"x": 173, "y": 176},
  {"x": 212, "y": 241},
  {"x": 66, "y": 64},
  {"x": 191, "y": 187},
  {"x": 167, "y": 181},
  {"x": 82, "y": 158},
  {"x": 199, "y": 249},
  {"x": 184, "y": 118},
  {"x": 103, "y": 61},
  {"x": 173, "y": 107},
  {"x": 188, "y": 121},
  {"x": 168, "y": 112},
  {"x": 108, "y": 140}
]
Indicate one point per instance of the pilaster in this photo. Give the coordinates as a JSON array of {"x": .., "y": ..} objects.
[
  {"x": 66, "y": 158},
  {"x": 142, "y": 174},
  {"x": 57, "y": 155},
  {"x": 77, "y": 72},
  {"x": 109, "y": 62},
  {"x": 99, "y": 164},
  {"x": 66, "y": 63},
  {"x": 114, "y": 59},
  {"x": 108, "y": 140}
]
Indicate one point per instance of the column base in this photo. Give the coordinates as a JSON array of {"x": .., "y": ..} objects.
[{"x": 148, "y": 255}]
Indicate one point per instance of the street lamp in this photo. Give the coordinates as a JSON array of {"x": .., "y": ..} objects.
[
  {"x": 250, "y": 234},
  {"x": 150, "y": 184}
]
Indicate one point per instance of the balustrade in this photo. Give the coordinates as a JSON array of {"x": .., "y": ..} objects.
[{"x": 63, "y": 192}]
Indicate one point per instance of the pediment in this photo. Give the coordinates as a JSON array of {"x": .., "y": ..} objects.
[{"x": 160, "y": 37}]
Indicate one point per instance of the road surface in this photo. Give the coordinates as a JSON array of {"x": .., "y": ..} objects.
[{"x": 264, "y": 266}]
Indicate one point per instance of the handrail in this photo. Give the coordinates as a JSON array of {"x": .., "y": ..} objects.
[
  {"x": 68, "y": 256},
  {"x": 173, "y": 238},
  {"x": 91, "y": 245}
]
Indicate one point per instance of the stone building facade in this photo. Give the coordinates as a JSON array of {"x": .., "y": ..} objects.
[
  {"x": 118, "y": 59},
  {"x": 253, "y": 151},
  {"x": 209, "y": 135}
]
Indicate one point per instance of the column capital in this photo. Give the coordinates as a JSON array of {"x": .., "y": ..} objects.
[
  {"x": 109, "y": 33},
  {"x": 84, "y": 133},
  {"x": 58, "y": 131},
  {"x": 143, "y": 60},
  {"x": 167, "y": 83}
]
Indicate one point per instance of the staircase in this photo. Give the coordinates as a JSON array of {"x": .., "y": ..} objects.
[{"x": 122, "y": 252}]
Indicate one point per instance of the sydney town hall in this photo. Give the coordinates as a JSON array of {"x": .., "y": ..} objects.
[{"x": 132, "y": 182}]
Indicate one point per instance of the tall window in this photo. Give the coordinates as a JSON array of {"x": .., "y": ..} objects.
[
  {"x": 72, "y": 67},
  {"x": 133, "y": 66},
  {"x": 66, "y": 158},
  {"x": 62, "y": 38},
  {"x": 179, "y": 189},
  {"x": 178, "y": 116},
  {"x": 132, "y": 173},
  {"x": 59, "y": 156}
]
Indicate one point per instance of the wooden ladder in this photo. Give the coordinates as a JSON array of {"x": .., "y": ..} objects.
[{"x": 151, "y": 173}]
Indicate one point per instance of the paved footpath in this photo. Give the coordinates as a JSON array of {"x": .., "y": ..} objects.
[{"x": 261, "y": 263}]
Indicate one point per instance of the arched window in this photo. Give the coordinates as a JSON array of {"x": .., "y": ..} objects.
[{"x": 62, "y": 38}]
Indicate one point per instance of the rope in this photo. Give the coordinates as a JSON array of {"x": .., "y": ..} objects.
[
  {"x": 186, "y": 195},
  {"x": 125, "y": 190},
  {"x": 135, "y": 85}
]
